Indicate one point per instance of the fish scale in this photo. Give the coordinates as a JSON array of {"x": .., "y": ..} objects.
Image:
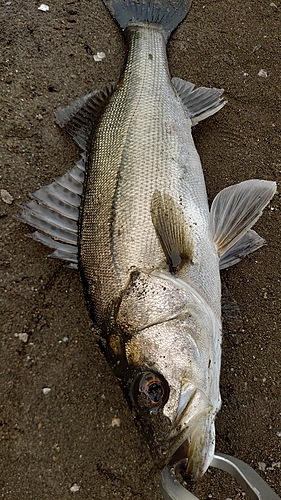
[{"x": 148, "y": 147}]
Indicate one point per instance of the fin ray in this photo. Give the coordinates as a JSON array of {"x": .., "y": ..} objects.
[
  {"x": 200, "y": 103},
  {"x": 80, "y": 118},
  {"x": 236, "y": 209},
  {"x": 249, "y": 243},
  {"x": 167, "y": 13},
  {"x": 172, "y": 230}
]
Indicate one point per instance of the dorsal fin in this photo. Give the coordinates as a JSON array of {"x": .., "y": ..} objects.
[
  {"x": 172, "y": 230},
  {"x": 54, "y": 209},
  {"x": 199, "y": 103},
  {"x": 80, "y": 118}
]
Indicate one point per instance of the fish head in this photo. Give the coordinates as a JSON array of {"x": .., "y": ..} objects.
[
  {"x": 175, "y": 411},
  {"x": 171, "y": 375}
]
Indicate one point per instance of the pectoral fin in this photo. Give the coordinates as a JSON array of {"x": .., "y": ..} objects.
[
  {"x": 233, "y": 212},
  {"x": 199, "y": 103},
  {"x": 172, "y": 230}
]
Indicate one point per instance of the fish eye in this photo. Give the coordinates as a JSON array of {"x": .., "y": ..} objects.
[{"x": 150, "y": 390}]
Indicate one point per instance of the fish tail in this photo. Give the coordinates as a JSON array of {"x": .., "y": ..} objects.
[{"x": 167, "y": 13}]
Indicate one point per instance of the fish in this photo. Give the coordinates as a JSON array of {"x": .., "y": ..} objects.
[{"x": 133, "y": 216}]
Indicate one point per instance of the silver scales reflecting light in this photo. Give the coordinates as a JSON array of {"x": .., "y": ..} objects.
[{"x": 253, "y": 485}]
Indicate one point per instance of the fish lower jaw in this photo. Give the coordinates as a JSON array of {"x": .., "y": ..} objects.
[{"x": 192, "y": 450}]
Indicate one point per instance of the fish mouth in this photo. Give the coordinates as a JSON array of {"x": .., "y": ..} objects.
[
  {"x": 192, "y": 451},
  {"x": 192, "y": 440},
  {"x": 179, "y": 460}
]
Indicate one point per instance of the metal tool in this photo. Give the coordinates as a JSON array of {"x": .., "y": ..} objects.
[{"x": 253, "y": 485}]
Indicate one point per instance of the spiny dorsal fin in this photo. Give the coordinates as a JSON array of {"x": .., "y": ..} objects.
[
  {"x": 80, "y": 118},
  {"x": 172, "y": 230},
  {"x": 199, "y": 103},
  {"x": 235, "y": 210},
  {"x": 54, "y": 211}
]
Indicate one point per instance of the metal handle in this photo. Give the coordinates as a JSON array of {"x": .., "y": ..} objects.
[{"x": 253, "y": 485}]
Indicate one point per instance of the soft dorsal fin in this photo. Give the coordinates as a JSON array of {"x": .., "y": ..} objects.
[
  {"x": 80, "y": 118},
  {"x": 233, "y": 212},
  {"x": 199, "y": 103},
  {"x": 54, "y": 209},
  {"x": 172, "y": 230}
]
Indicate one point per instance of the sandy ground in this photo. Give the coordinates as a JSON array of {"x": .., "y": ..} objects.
[{"x": 79, "y": 440}]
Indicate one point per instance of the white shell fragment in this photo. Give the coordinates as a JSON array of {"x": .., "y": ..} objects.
[
  {"x": 6, "y": 197},
  {"x": 22, "y": 336},
  {"x": 44, "y": 7},
  {"x": 46, "y": 390},
  {"x": 262, "y": 466},
  {"x": 116, "y": 422},
  {"x": 99, "y": 56},
  {"x": 262, "y": 73},
  {"x": 75, "y": 487}
]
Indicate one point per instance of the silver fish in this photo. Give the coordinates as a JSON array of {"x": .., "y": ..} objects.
[{"x": 147, "y": 245}]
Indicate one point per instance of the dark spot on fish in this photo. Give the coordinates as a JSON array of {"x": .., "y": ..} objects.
[
  {"x": 150, "y": 56},
  {"x": 209, "y": 365}
]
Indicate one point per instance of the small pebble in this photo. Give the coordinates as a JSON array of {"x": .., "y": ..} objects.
[
  {"x": 262, "y": 466},
  {"x": 39, "y": 117},
  {"x": 262, "y": 73},
  {"x": 44, "y": 7},
  {"x": 6, "y": 197},
  {"x": 75, "y": 487},
  {"x": 116, "y": 422},
  {"x": 99, "y": 56},
  {"x": 278, "y": 434},
  {"x": 22, "y": 336},
  {"x": 46, "y": 390}
]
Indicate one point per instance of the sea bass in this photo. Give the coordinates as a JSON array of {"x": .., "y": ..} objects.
[{"x": 133, "y": 216}]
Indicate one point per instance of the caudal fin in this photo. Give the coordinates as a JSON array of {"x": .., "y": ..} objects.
[{"x": 168, "y": 13}]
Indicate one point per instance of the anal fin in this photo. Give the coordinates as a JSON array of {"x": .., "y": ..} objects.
[{"x": 199, "y": 103}]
